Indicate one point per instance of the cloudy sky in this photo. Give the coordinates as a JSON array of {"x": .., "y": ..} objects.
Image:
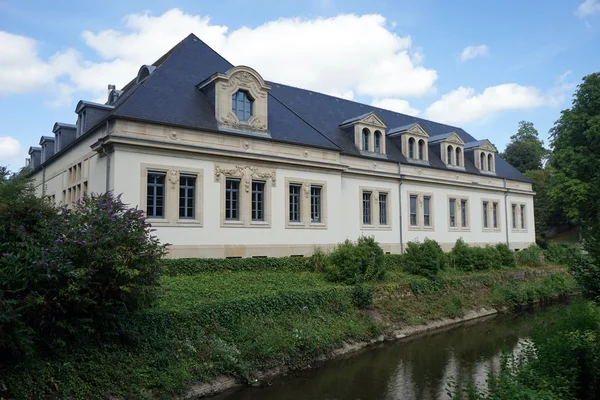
[{"x": 480, "y": 65}]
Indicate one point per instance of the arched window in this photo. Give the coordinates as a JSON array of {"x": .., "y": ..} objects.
[
  {"x": 421, "y": 149},
  {"x": 377, "y": 142},
  {"x": 490, "y": 162},
  {"x": 458, "y": 157},
  {"x": 411, "y": 148},
  {"x": 365, "y": 139},
  {"x": 241, "y": 105},
  {"x": 449, "y": 153},
  {"x": 482, "y": 161}
]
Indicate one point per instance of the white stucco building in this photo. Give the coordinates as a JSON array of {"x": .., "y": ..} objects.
[{"x": 228, "y": 165}]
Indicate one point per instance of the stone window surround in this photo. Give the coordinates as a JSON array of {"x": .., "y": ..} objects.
[
  {"x": 484, "y": 168},
  {"x": 457, "y": 214},
  {"x": 305, "y": 220},
  {"x": 444, "y": 154},
  {"x": 375, "y": 225},
  {"x": 171, "y": 205},
  {"x": 519, "y": 228},
  {"x": 420, "y": 211},
  {"x": 246, "y": 174},
  {"x": 358, "y": 139},
  {"x": 490, "y": 227},
  {"x": 417, "y": 138}
]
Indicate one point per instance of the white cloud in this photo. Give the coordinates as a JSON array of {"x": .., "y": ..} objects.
[
  {"x": 464, "y": 105},
  {"x": 10, "y": 149},
  {"x": 588, "y": 7},
  {"x": 397, "y": 105},
  {"x": 346, "y": 55},
  {"x": 470, "y": 52}
]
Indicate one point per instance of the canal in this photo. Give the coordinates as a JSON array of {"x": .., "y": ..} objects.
[{"x": 420, "y": 368}]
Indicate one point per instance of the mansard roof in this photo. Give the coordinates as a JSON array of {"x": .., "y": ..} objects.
[{"x": 169, "y": 96}]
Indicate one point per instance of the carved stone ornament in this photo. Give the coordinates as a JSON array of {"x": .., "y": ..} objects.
[
  {"x": 374, "y": 165},
  {"x": 420, "y": 171},
  {"x": 418, "y": 131},
  {"x": 246, "y": 145},
  {"x": 306, "y": 188},
  {"x": 376, "y": 196},
  {"x": 173, "y": 178},
  {"x": 246, "y": 172},
  {"x": 373, "y": 120},
  {"x": 254, "y": 124},
  {"x": 305, "y": 153},
  {"x": 173, "y": 135}
]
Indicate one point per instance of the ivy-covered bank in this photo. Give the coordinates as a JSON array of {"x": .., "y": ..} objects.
[{"x": 240, "y": 320}]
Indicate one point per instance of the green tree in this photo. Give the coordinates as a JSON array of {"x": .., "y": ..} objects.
[
  {"x": 575, "y": 157},
  {"x": 525, "y": 151},
  {"x": 548, "y": 212}
]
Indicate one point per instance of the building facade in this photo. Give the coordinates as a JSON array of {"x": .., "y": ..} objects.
[{"x": 228, "y": 165}]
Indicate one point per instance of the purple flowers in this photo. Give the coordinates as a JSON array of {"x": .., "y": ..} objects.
[
  {"x": 59, "y": 240},
  {"x": 72, "y": 273},
  {"x": 5, "y": 255}
]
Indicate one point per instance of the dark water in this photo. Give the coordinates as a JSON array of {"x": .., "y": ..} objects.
[{"x": 417, "y": 369}]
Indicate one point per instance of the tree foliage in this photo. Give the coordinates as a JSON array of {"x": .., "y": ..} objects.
[
  {"x": 525, "y": 151},
  {"x": 576, "y": 151}
]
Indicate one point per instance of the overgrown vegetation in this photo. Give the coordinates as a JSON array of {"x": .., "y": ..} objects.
[{"x": 355, "y": 262}]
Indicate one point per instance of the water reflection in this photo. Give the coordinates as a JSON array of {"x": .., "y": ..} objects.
[{"x": 416, "y": 369}]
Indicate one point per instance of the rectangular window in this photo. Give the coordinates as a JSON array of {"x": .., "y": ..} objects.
[
  {"x": 485, "y": 215},
  {"x": 463, "y": 213},
  {"x": 452, "y": 213},
  {"x": 514, "y": 216},
  {"x": 187, "y": 196},
  {"x": 258, "y": 201},
  {"x": 315, "y": 203},
  {"x": 522, "y": 216},
  {"x": 155, "y": 200},
  {"x": 232, "y": 199},
  {"x": 366, "y": 208},
  {"x": 495, "y": 214},
  {"x": 426, "y": 211},
  {"x": 413, "y": 210},
  {"x": 294, "y": 203},
  {"x": 383, "y": 209}
]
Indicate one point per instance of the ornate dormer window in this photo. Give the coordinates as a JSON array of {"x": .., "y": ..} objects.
[
  {"x": 369, "y": 133},
  {"x": 451, "y": 149},
  {"x": 413, "y": 142},
  {"x": 239, "y": 98},
  {"x": 484, "y": 155},
  {"x": 241, "y": 105}
]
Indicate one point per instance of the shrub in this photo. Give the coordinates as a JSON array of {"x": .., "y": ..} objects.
[
  {"x": 470, "y": 258},
  {"x": 563, "y": 253},
  {"x": 461, "y": 256},
  {"x": 531, "y": 256},
  {"x": 317, "y": 260},
  {"x": 194, "y": 266},
  {"x": 393, "y": 261},
  {"x": 352, "y": 262},
  {"x": 506, "y": 257},
  {"x": 425, "y": 258}
]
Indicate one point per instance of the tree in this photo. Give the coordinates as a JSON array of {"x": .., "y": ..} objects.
[
  {"x": 575, "y": 157},
  {"x": 525, "y": 151},
  {"x": 548, "y": 212}
]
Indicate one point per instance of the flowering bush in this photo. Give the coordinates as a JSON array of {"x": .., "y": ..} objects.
[{"x": 72, "y": 271}]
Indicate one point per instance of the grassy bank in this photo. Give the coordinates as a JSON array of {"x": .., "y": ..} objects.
[{"x": 238, "y": 323}]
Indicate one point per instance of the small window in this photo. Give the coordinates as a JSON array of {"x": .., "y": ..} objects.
[
  {"x": 241, "y": 105},
  {"x": 413, "y": 210},
  {"x": 452, "y": 212},
  {"x": 495, "y": 214},
  {"x": 377, "y": 142},
  {"x": 482, "y": 161},
  {"x": 426, "y": 211},
  {"x": 514, "y": 216},
  {"x": 458, "y": 157},
  {"x": 411, "y": 148},
  {"x": 258, "y": 201},
  {"x": 463, "y": 213},
  {"x": 187, "y": 196},
  {"x": 522, "y": 216},
  {"x": 449, "y": 153},
  {"x": 365, "y": 139},
  {"x": 366, "y": 208},
  {"x": 383, "y": 209},
  {"x": 232, "y": 199},
  {"x": 490, "y": 162},
  {"x": 295, "y": 203},
  {"x": 315, "y": 204},
  {"x": 485, "y": 214},
  {"x": 155, "y": 200}
]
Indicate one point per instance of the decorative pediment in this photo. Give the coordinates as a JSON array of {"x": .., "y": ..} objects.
[
  {"x": 371, "y": 119},
  {"x": 484, "y": 144},
  {"x": 487, "y": 145},
  {"x": 417, "y": 130},
  {"x": 455, "y": 139},
  {"x": 246, "y": 173},
  {"x": 414, "y": 129}
]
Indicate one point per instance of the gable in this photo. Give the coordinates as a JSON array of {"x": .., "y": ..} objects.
[
  {"x": 417, "y": 130},
  {"x": 455, "y": 139}
]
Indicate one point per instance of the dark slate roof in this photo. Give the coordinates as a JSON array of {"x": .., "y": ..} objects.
[
  {"x": 58, "y": 125},
  {"x": 169, "y": 95},
  {"x": 438, "y": 138},
  {"x": 401, "y": 128},
  {"x": 475, "y": 143}
]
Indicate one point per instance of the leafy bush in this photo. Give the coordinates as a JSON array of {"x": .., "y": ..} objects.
[
  {"x": 70, "y": 272},
  {"x": 425, "y": 258},
  {"x": 318, "y": 260},
  {"x": 531, "y": 256},
  {"x": 393, "y": 261},
  {"x": 506, "y": 257},
  {"x": 563, "y": 253},
  {"x": 194, "y": 266},
  {"x": 362, "y": 296},
  {"x": 470, "y": 258},
  {"x": 352, "y": 262}
]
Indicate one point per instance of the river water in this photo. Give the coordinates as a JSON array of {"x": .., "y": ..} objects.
[{"x": 420, "y": 368}]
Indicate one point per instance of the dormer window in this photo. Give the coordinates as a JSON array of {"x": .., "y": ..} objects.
[
  {"x": 411, "y": 148},
  {"x": 421, "y": 149},
  {"x": 451, "y": 149},
  {"x": 241, "y": 105},
  {"x": 450, "y": 154},
  {"x": 482, "y": 161},
  {"x": 413, "y": 142},
  {"x": 365, "y": 139},
  {"x": 482, "y": 155},
  {"x": 377, "y": 142},
  {"x": 490, "y": 163},
  {"x": 459, "y": 157}
]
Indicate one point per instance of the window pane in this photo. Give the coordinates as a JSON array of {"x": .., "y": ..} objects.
[
  {"x": 426, "y": 211},
  {"x": 258, "y": 201},
  {"x": 155, "y": 193},
  {"x": 365, "y": 139},
  {"x": 411, "y": 148},
  {"x": 383, "y": 209},
  {"x": 232, "y": 188},
  {"x": 449, "y": 155},
  {"x": 413, "y": 210},
  {"x": 522, "y": 216},
  {"x": 294, "y": 203},
  {"x": 463, "y": 213},
  {"x": 187, "y": 194},
  {"x": 514, "y": 216},
  {"x": 495, "y": 214},
  {"x": 377, "y": 142},
  {"x": 367, "y": 208},
  {"x": 485, "y": 214},
  {"x": 241, "y": 105},
  {"x": 315, "y": 203},
  {"x": 452, "y": 211}
]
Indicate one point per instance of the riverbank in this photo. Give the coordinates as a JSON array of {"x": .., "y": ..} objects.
[{"x": 242, "y": 324}]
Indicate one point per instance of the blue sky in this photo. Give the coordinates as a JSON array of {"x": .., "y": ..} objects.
[{"x": 481, "y": 65}]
